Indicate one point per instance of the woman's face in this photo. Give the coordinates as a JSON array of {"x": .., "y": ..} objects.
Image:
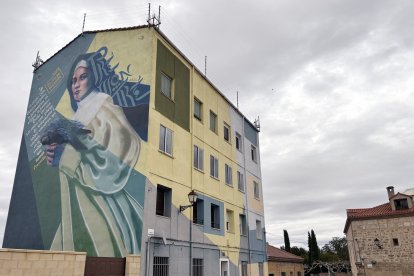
[{"x": 80, "y": 83}]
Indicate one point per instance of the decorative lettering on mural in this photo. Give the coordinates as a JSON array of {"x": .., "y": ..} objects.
[
  {"x": 54, "y": 81},
  {"x": 123, "y": 92},
  {"x": 40, "y": 113}
]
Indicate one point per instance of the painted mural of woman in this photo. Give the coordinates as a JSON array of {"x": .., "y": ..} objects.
[{"x": 98, "y": 215}]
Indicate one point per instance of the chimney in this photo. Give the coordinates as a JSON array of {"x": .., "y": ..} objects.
[{"x": 390, "y": 191}]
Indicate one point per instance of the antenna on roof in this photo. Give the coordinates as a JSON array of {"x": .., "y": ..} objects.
[
  {"x": 37, "y": 62},
  {"x": 257, "y": 123},
  {"x": 153, "y": 21},
  {"x": 83, "y": 25},
  {"x": 237, "y": 99},
  {"x": 205, "y": 66}
]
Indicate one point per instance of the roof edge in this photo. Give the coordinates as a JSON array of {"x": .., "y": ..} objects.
[{"x": 172, "y": 44}]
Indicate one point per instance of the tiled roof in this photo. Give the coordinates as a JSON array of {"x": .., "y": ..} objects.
[
  {"x": 276, "y": 254},
  {"x": 380, "y": 211}
]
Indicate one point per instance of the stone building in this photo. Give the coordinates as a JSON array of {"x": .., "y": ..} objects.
[
  {"x": 282, "y": 263},
  {"x": 381, "y": 239}
]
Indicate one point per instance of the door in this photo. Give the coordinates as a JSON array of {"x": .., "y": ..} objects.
[
  {"x": 104, "y": 266},
  {"x": 224, "y": 267}
]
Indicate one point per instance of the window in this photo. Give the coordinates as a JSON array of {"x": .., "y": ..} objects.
[
  {"x": 213, "y": 166},
  {"x": 243, "y": 225},
  {"x": 160, "y": 267},
  {"x": 401, "y": 204},
  {"x": 238, "y": 142},
  {"x": 166, "y": 85},
  {"x": 299, "y": 273},
  {"x": 198, "y": 212},
  {"x": 229, "y": 174},
  {"x": 240, "y": 181},
  {"x": 198, "y": 267},
  {"x": 230, "y": 221},
  {"x": 254, "y": 154},
  {"x": 261, "y": 269},
  {"x": 395, "y": 242},
  {"x": 213, "y": 121},
  {"x": 283, "y": 273},
  {"x": 258, "y": 229},
  {"x": 166, "y": 140},
  {"x": 291, "y": 273},
  {"x": 198, "y": 158},
  {"x": 215, "y": 216},
  {"x": 163, "y": 206},
  {"x": 256, "y": 190},
  {"x": 226, "y": 132},
  {"x": 197, "y": 109},
  {"x": 243, "y": 268}
]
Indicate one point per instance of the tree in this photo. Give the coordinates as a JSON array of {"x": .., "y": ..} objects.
[
  {"x": 314, "y": 252},
  {"x": 337, "y": 247},
  {"x": 315, "y": 247},
  {"x": 287, "y": 242},
  {"x": 310, "y": 255}
]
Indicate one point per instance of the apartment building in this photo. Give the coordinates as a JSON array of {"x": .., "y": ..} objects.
[{"x": 121, "y": 130}]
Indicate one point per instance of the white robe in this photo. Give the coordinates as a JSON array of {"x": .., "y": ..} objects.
[{"x": 98, "y": 215}]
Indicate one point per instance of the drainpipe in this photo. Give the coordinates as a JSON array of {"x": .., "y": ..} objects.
[{"x": 147, "y": 259}]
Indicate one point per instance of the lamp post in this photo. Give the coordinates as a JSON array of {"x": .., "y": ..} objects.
[
  {"x": 378, "y": 243},
  {"x": 192, "y": 198}
]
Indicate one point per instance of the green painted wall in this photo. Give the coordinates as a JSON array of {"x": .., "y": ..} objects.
[{"x": 178, "y": 109}]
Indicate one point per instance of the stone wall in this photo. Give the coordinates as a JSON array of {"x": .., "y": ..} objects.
[
  {"x": 395, "y": 257},
  {"x": 276, "y": 268},
  {"x": 132, "y": 265},
  {"x": 22, "y": 262}
]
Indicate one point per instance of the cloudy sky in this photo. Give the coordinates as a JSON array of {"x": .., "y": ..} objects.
[{"x": 332, "y": 82}]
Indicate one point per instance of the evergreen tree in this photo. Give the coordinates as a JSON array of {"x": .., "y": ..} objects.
[
  {"x": 287, "y": 242},
  {"x": 315, "y": 249},
  {"x": 310, "y": 251}
]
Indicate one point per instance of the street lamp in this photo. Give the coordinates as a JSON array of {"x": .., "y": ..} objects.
[{"x": 192, "y": 198}]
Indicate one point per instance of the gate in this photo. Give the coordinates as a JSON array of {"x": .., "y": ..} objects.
[{"x": 104, "y": 266}]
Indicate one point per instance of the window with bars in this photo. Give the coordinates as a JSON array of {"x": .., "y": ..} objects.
[
  {"x": 166, "y": 140},
  {"x": 213, "y": 166},
  {"x": 160, "y": 266},
  {"x": 228, "y": 174},
  {"x": 198, "y": 267},
  {"x": 240, "y": 181},
  {"x": 166, "y": 86},
  {"x": 198, "y": 158}
]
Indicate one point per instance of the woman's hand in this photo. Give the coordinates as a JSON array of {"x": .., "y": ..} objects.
[{"x": 53, "y": 154}]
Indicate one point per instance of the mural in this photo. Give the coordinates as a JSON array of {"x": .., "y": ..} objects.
[{"x": 85, "y": 127}]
